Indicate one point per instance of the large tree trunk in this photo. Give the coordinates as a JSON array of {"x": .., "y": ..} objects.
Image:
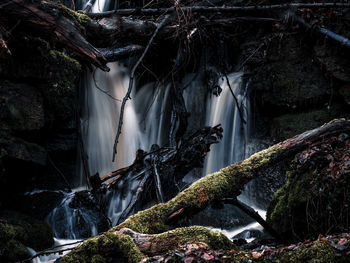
[{"x": 226, "y": 183}]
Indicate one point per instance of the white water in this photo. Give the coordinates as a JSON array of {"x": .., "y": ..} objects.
[
  {"x": 67, "y": 222},
  {"x": 223, "y": 110},
  {"x": 62, "y": 243},
  {"x": 233, "y": 232}
]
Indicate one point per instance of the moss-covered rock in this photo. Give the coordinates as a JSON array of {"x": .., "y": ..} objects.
[
  {"x": 289, "y": 125},
  {"x": 315, "y": 198},
  {"x": 105, "y": 248},
  {"x": 18, "y": 231}
]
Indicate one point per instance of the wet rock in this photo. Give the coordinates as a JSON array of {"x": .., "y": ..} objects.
[
  {"x": 249, "y": 233},
  {"x": 334, "y": 64},
  {"x": 257, "y": 243},
  {"x": 21, "y": 107},
  {"x": 260, "y": 191},
  {"x": 77, "y": 216},
  {"x": 239, "y": 241},
  {"x": 227, "y": 218}
]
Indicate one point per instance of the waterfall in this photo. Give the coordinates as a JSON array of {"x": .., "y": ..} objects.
[{"x": 223, "y": 110}]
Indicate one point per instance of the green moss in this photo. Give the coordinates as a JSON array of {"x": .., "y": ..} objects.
[
  {"x": 20, "y": 231},
  {"x": 81, "y": 19},
  {"x": 104, "y": 248},
  {"x": 319, "y": 252},
  {"x": 98, "y": 259},
  {"x": 29, "y": 231},
  {"x": 13, "y": 251},
  {"x": 194, "y": 234},
  {"x": 289, "y": 125},
  {"x": 79, "y": 16},
  {"x": 64, "y": 74}
]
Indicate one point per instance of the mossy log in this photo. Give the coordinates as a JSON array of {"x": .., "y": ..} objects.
[
  {"x": 226, "y": 183},
  {"x": 126, "y": 245}
]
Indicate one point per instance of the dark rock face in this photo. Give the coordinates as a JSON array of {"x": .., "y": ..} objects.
[
  {"x": 38, "y": 204},
  {"x": 299, "y": 85},
  {"x": 315, "y": 198},
  {"x": 290, "y": 79},
  {"x": 38, "y": 132}
]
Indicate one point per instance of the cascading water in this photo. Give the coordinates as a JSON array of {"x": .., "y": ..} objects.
[{"x": 224, "y": 110}]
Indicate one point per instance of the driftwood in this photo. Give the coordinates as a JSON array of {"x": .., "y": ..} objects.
[
  {"x": 162, "y": 165},
  {"x": 226, "y": 183}
]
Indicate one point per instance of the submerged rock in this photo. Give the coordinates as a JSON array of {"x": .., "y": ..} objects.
[{"x": 249, "y": 233}]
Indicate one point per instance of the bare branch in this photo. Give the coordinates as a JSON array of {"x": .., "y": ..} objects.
[{"x": 131, "y": 82}]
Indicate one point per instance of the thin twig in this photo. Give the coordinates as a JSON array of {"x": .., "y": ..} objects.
[
  {"x": 60, "y": 173},
  {"x": 131, "y": 81},
  {"x": 235, "y": 98},
  {"x": 104, "y": 91},
  {"x": 49, "y": 251}
]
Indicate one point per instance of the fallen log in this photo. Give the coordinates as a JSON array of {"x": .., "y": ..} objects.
[
  {"x": 227, "y": 183},
  {"x": 53, "y": 24},
  {"x": 130, "y": 246}
]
